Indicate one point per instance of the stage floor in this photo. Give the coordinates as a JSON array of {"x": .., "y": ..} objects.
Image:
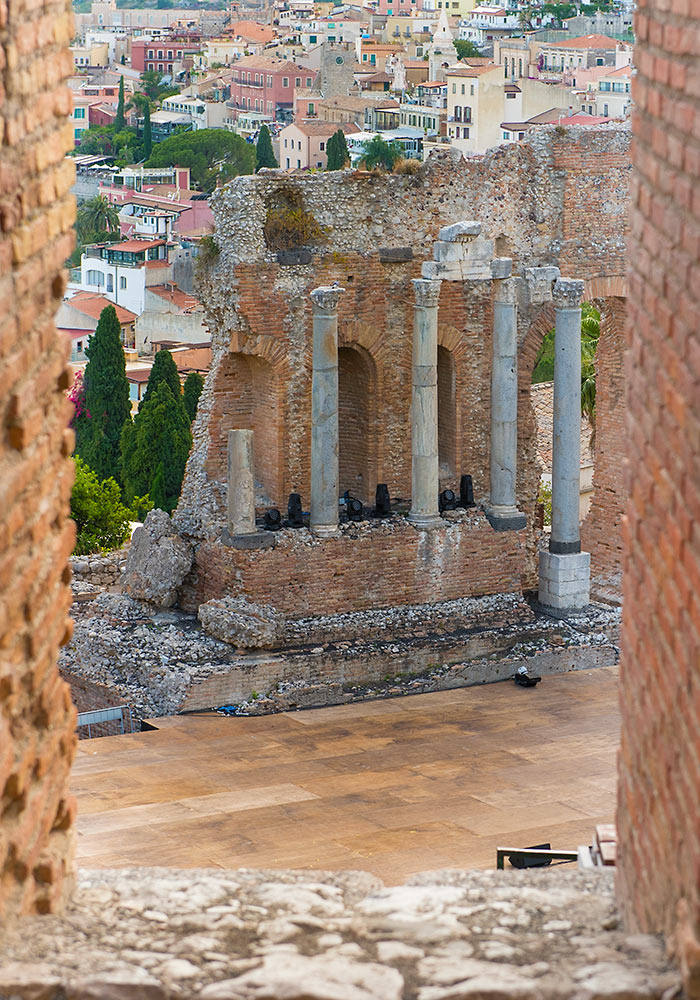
[{"x": 392, "y": 787}]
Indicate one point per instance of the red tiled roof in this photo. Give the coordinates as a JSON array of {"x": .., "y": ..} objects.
[
  {"x": 171, "y": 293},
  {"x": 587, "y": 42},
  {"x": 136, "y": 246},
  {"x": 92, "y": 305}
]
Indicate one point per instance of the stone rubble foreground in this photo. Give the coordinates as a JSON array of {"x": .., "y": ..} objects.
[{"x": 246, "y": 935}]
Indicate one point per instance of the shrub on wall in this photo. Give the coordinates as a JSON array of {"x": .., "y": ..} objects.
[{"x": 288, "y": 224}]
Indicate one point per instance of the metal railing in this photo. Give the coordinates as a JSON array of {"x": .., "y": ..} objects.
[{"x": 119, "y": 715}]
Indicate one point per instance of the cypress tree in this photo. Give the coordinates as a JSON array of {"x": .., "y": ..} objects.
[
  {"x": 194, "y": 384},
  {"x": 119, "y": 120},
  {"x": 155, "y": 449},
  {"x": 163, "y": 370},
  {"x": 147, "y": 138},
  {"x": 264, "y": 155},
  {"x": 337, "y": 151},
  {"x": 106, "y": 401}
]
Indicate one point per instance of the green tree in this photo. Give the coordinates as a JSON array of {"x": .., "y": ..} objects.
[
  {"x": 96, "y": 507},
  {"x": 590, "y": 336},
  {"x": 377, "y": 152},
  {"x": 119, "y": 120},
  {"x": 147, "y": 137},
  {"x": 95, "y": 217},
  {"x": 107, "y": 406},
  {"x": 155, "y": 449},
  {"x": 163, "y": 369},
  {"x": 337, "y": 151},
  {"x": 264, "y": 155},
  {"x": 194, "y": 383},
  {"x": 151, "y": 84},
  {"x": 210, "y": 153},
  {"x": 96, "y": 141},
  {"x": 466, "y": 49}
]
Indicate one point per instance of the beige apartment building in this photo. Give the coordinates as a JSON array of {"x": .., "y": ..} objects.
[
  {"x": 479, "y": 99},
  {"x": 303, "y": 144}
]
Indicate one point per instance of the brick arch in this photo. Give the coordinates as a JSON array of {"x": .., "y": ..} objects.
[
  {"x": 454, "y": 400},
  {"x": 247, "y": 395},
  {"x": 357, "y": 421},
  {"x": 528, "y": 477}
]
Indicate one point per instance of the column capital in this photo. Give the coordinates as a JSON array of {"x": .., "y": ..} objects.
[
  {"x": 567, "y": 293},
  {"x": 427, "y": 291},
  {"x": 539, "y": 283},
  {"x": 325, "y": 298},
  {"x": 506, "y": 291}
]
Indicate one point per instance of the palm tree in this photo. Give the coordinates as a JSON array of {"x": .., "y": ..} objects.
[
  {"x": 97, "y": 215},
  {"x": 590, "y": 335}
]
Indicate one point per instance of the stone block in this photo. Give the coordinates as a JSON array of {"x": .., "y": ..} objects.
[
  {"x": 241, "y": 623},
  {"x": 501, "y": 267},
  {"x": 460, "y": 232},
  {"x": 451, "y": 271},
  {"x": 446, "y": 252},
  {"x": 564, "y": 580},
  {"x": 158, "y": 561},
  {"x": 395, "y": 255}
]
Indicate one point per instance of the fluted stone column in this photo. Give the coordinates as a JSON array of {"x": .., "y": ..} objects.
[
  {"x": 324, "y": 412},
  {"x": 565, "y": 570},
  {"x": 424, "y": 511},
  {"x": 241, "y": 483},
  {"x": 503, "y": 513}
]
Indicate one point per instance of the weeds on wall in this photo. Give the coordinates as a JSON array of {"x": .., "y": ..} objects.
[{"x": 289, "y": 225}]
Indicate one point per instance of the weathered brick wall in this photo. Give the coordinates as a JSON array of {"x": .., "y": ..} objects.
[
  {"x": 377, "y": 567},
  {"x": 37, "y": 718},
  {"x": 659, "y": 792},
  {"x": 601, "y": 531}
]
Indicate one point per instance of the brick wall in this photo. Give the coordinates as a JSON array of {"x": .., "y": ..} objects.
[
  {"x": 600, "y": 532},
  {"x": 37, "y": 718},
  {"x": 659, "y": 792},
  {"x": 381, "y": 566}
]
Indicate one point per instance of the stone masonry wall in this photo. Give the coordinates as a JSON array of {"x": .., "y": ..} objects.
[
  {"x": 37, "y": 719},
  {"x": 659, "y": 792},
  {"x": 528, "y": 197}
]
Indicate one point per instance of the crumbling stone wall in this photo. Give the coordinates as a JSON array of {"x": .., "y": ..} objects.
[
  {"x": 37, "y": 719},
  {"x": 529, "y": 198},
  {"x": 659, "y": 791}
]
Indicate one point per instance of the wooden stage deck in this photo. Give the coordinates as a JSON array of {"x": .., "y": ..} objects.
[{"x": 392, "y": 787}]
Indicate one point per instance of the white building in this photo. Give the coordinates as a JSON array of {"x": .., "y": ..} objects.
[
  {"x": 484, "y": 24},
  {"x": 121, "y": 271},
  {"x": 201, "y": 113}
]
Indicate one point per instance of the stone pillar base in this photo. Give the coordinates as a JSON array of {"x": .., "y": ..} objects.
[
  {"x": 564, "y": 580},
  {"x": 424, "y": 522},
  {"x": 505, "y": 518},
  {"x": 324, "y": 530}
]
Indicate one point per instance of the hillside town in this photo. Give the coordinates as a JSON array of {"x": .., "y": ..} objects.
[{"x": 410, "y": 77}]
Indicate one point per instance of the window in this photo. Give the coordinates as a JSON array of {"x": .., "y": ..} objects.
[
  {"x": 297, "y": 81},
  {"x": 269, "y": 81},
  {"x": 520, "y": 67},
  {"x": 285, "y": 81},
  {"x": 506, "y": 135},
  {"x": 95, "y": 278},
  {"x": 466, "y": 133},
  {"x": 285, "y": 143},
  {"x": 311, "y": 108},
  {"x": 79, "y": 113},
  {"x": 308, "y": 81},
  {"x": 312, "y": 39},
  {"x": 600, "y": 62},
  {"x": 457, "y": 132},
  {"x": 464, "y": 88},
  {"x": 110, "y": 283},
  {"x": 605, "y": 110},
  {"x": 321, "y": 146},
  {"x": 160, "y": 53},
  {"x": 454, "y": 88},
  {"x": 170, "y": 53},
  {"x": 122, "y": 282},
  {"x": 471, "y": 90},
  {"x": 151, "y": 54},
  {"x": 79, "y": 346},
  {"x": 299, "y": 163},
  {"x": 287, "y": 163},
  {"x": 510, "y": 97}
]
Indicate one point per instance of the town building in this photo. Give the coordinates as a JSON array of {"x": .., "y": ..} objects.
[
  {"x": 484, "y": 24},
  {"x": 137, "y": 191},
  {"x": 121, "y": 271},
  {"x": 199, "y": 112},
  {"x": 266, "y": 85},
  {"x": 77, "y": 320},
  {"x": 168, "y": 55},
  {"x": 303, "y": 144},
  {"x": 169, "y": 314}
]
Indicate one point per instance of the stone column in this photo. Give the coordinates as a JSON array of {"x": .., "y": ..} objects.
[
  {"x": 324, "y": 412},
  {"x": 424, "y": 511},
  {"x": 565, "y": 570},
  {"x": 503, "y": 513},
  {"x": 241, "y": 483}
]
